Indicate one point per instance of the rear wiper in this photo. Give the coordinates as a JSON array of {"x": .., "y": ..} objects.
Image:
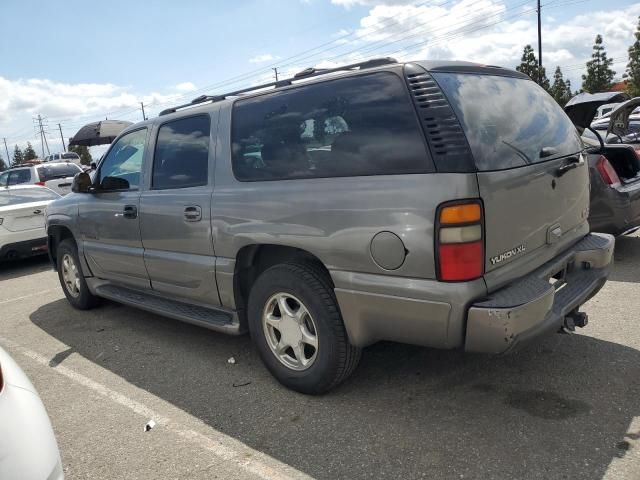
[
  {"x": 520, "y": 153},
  {"x": 547, "y": 152}
]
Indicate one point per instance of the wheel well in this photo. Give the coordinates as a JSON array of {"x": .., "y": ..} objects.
[
  {"x": 252, "y": 260},
  {"x": 55, "y": 235}
]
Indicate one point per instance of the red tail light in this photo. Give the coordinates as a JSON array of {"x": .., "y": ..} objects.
[
  {"x": 607, "y": 172},
  {"x": 40, "y": 183},
  {"x": 459, "y": 240}
]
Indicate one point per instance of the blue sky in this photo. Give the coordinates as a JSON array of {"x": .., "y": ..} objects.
[{"x": 74, "y": 64}]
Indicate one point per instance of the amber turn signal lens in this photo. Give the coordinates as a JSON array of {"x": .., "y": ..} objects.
[{"x": 465, "y": 213}]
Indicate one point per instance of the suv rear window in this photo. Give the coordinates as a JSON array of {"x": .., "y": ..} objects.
[
  {"x": 363, "y": 125},
  {"x": 70, "y": 156},
  {"x": 508, "y": 121},
  {"x": 49, "y": 172}
]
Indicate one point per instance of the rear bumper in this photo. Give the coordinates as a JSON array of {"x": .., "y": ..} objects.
[
  {"x": 25, "y": 248},
  {"x": 532, "y": 306},
  {"x": 614, "y": 210}
]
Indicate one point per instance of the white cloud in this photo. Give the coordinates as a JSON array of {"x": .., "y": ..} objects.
[
  {"x": 487, "y": 31},
  {"x": 185, "y": 87},
  {"x": 71, "y": 105},
  {"x": 267, "y": 57},
  {"x": 371, "y": 3}
]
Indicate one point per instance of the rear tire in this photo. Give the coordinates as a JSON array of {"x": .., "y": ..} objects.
[
  {"x": 71, "y": 277},
  {"x": 292, "y": 307}
]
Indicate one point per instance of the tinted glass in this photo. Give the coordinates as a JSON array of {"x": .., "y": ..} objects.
[
  {"x": 49, "y": 172},
  {"x": 3, "y": 179},
  {"x": 120, "y": 169},
  {"x": 70, "y": 156},
  {"x": 181, "y": 158},
  {"x": 363, "y": 125},
  {"x": 16, "y": 177},
  {"x": 508, "y": 121},
  {"x": 26, "y": 195}
]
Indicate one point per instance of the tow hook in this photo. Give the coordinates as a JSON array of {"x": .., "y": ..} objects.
[{"x": 573, "y": 320}]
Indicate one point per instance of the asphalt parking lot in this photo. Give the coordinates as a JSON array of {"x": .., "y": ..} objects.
[{"x": 567, "y": 408}]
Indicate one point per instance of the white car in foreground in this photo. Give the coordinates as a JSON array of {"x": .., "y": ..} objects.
[
  {"x": 28, "y": 447},
  {"x": 22, "y": 216},
  {"x": 57, "y": 176}
]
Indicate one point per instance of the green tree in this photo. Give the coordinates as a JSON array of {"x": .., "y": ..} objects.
[
  {"x": 559, "y": 90},
  {"x": 632, "y": 75},
  {"x": 83, "y": 152},
  {"x": 18, "y": 156},
  {"x": 3, "y": 165},
  {"x": 568, "y": 91},
  {"x": 599, "y": 76},
  {"x": 529, "y": 66},
  {"x": 29, "y": 153}
]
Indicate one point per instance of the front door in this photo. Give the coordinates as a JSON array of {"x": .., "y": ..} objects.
[
  {"x": 110, "y": 216},
  {"x": 175, "y": 212}
]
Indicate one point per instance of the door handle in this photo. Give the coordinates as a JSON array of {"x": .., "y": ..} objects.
[
  {"x": 193, "y": 213},
  {"x": 130, "y": 211}
]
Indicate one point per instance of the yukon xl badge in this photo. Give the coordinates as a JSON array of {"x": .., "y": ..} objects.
[{"x": 508, "y": 254}]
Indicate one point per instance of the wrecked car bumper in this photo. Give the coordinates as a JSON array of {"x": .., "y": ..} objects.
[{"x": 542, "y": 301}]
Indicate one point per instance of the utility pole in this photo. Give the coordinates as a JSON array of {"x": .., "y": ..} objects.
[
  {"x": 64, "y": 148},
  {"x": 7, "y": 150},
  {"x": 41, "y": 134},
  {"x": 275, "y": 70},
  {"x": 539, "y": 43},
  {"x": 144, "y": 117}
]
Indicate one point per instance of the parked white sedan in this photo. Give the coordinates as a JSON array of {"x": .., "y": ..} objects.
[
  {"x": 28, "y": 447},
  {"x": 22, "y": 215}
]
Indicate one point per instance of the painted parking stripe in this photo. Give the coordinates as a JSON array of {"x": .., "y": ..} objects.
[
  {"x": 222, "y": 446},
  {"x": 35, "y": 294}
]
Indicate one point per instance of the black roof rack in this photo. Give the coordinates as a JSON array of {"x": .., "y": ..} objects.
[{"x": 306, "y": 73}]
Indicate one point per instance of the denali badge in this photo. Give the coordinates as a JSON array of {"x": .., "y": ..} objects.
[{"x": 508, "y": 254}]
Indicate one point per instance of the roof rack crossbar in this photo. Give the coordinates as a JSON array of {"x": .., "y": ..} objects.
[{"x": 306, "y": 73}]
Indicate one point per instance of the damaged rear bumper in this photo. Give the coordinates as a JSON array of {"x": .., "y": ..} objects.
[{"x": 539, "y": 303}]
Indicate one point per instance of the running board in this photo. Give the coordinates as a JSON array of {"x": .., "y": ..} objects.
[{"x": 219, "y": 320}]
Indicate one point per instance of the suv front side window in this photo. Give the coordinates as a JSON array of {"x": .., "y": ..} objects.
[{"x": 120, "y": 169}]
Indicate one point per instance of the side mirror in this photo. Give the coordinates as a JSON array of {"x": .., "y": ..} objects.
[{"x": 81, "y": 183}]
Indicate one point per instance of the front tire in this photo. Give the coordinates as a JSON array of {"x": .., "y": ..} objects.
[
  {"x": 295, "y": 323},
  {"x": 71, "y": 278}
]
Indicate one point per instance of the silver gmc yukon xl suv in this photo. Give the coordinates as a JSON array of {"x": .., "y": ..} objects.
[{"x": 441, "y": 204}]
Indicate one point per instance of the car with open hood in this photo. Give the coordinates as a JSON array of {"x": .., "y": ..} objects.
[{"x": 614, "y": 161}]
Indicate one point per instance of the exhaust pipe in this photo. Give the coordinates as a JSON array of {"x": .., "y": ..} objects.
[{"x": 573, "y": 320}]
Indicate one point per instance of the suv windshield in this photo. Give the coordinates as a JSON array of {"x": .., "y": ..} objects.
[
  {"x": 49, "y": 172},
  {"x": 509, "y": 122}
]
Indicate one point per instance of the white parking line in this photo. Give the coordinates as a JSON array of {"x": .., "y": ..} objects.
[
  {"x": 35, "y": 294},
  {"x": 224, "y": 447}
]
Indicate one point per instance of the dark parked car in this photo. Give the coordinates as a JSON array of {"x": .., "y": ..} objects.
[{"x": 614, "y": 161}]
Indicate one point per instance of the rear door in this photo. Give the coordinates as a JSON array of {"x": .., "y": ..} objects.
[
  {"x": 532, "y": 177},
  {"x": 175, "y": 211},
  {"x": 24, "y": 209}
]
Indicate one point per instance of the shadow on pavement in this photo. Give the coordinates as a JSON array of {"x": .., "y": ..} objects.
[
  {"x": 26, "y": 266},
  {"x": 561, "y": 410},
  {"x": 627, "y": 253}
]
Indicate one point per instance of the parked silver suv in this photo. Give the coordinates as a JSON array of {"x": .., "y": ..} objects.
[{"x": 442, "y": 204}]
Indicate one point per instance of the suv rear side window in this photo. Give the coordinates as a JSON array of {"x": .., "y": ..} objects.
[
  {"x": 364, "y": 125},
  {"x": 508, "y": 121},
  {"x": 49, "y": 172},
  {"x": 181, "y": 157},
  {"x": 16, "y": 177}
]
